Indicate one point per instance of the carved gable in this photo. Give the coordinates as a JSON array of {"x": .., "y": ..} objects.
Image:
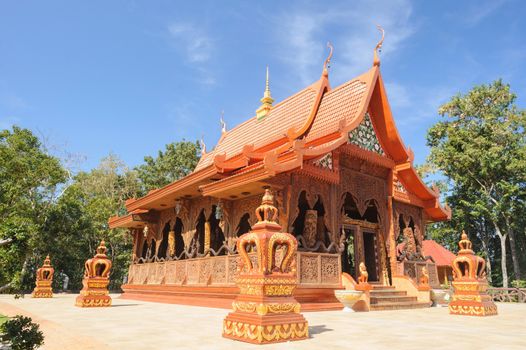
[{"x": 364, "y": 136}]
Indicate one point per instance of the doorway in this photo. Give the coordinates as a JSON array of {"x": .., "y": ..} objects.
[
  {"x": 349, "y": 253},
  {"x": 369, "y": 249}
]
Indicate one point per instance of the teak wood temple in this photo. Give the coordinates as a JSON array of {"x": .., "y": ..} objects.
[{"x": 344, "y": 185}]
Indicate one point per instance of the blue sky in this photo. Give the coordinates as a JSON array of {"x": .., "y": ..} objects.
[{"x": 94, "y": 77}]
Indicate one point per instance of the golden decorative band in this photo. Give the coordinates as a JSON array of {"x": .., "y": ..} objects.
[
  {"x": 280, "y": 332},
  {"x": 263, "y": 309}
]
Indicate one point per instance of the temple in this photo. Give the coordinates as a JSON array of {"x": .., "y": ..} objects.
[{"x": 344, "y": 185}]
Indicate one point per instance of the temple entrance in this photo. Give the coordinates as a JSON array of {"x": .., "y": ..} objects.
[
  {"x": 349, "y": 253},
  {"x": 361, "y": 238},
  {"x": 369, "y": 247}
]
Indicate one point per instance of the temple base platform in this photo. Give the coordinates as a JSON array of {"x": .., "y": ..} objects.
[{"x": 310, "y": 298}]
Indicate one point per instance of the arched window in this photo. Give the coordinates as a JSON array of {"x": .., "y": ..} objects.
[
  {"x": 179, "y": 242},
  {"x": 217, "y": 236},
  {"x": 244, "y": 225},
  {"x": 200, "y": 231},
  {"x": 350, "y": 209},
  {"x": 163, "y": 247},
  {"x": 303, "y": 206},
  {"x": 371, "y": 213}
]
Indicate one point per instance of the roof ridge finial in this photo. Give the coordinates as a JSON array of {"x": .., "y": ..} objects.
[
  {"x": 327, "y": 62},
  {"x": 203, "y": 145},
  {"x": 222, "y": 121},
  {"x": 266, "y": 101},
  {"x": 267, "y": 86},
  {"x": 378, "y": 48}
]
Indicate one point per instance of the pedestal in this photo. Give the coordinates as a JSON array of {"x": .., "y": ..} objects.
[
  {"x": 265, "y": 312},
  {"x": 42, "y": 290},
  {"x": 94, "y": 293},
  {"x": 471, "y": 299}
]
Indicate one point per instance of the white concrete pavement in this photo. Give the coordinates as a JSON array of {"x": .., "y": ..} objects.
[{"x": 129, "y": 325}]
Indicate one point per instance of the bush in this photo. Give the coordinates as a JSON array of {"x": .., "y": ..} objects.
[
  {"x": 21, "y": 333},
  {"x": 518, "y": 284}
]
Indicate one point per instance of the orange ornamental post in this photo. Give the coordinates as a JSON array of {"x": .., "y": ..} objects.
[
  {"x": 44, "y": 280},
  {"x": 265, "y": 310},
  {"x": 469, "y": 283},
  {"x": 96, "y": 279}
]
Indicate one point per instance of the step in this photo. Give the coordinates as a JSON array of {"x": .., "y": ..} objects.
[
  {"x": 391, "y": 299},
  {"x": 399, "y": 306},
  {"x": 390, "y": 293}
]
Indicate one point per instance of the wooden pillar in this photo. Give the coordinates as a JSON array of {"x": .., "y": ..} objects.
[
  {"x": 390, "y": 225},
  {"x": 207, "y": 238}
]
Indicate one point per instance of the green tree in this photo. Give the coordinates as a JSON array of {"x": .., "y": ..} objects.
[
  {"x": 178, "y": 160},
  {"x": 30, "y": 182},
  {"x": 81, "y": 219},
  {"x": 480, "y": 145}
]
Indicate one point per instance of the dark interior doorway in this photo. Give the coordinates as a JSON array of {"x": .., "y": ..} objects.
[
  {"x": 349, "y": 253},
  {"x": 369, "y": 247}
]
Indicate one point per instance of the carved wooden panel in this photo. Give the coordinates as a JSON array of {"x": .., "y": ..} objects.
[
  {"x": 192, "y": 271},
  {"x": 170, "y": 272},
  {"x": 233, "y": 262},
  {"x": 330, "y": 269},
  {"x": 309, "y": 269},
  {"x": 204, "y": 270},
  {"x": 219, "y": 267},
  {"x": 180, "y": 271}
]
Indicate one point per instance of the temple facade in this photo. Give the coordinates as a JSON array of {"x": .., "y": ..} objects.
[{"x": 344, "y": 185}]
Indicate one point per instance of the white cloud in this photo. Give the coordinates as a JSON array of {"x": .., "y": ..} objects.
[
  {"x": 481, "y": 9},
  {"x": 192, "y": 40},
  {"x": 302, "y": 35}
]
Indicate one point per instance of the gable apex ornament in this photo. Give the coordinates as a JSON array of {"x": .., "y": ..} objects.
[
  {"x": 327, "y": 63},
  {"x": 378, "y": 48}
]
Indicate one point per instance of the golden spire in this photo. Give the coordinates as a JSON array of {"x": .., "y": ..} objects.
[
  {"x": 376, "y": 60},
  {"x": 266, "y": 101}
]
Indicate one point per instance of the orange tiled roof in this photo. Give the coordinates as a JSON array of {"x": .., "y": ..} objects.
[
  {"x": 441, "y": 255},
  {"x": 291, "y": 112},
  {"x": 339, "y": 103},
  {"x": 343, "y": 102}
]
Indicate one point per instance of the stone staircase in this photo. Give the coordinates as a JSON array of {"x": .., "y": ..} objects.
[{"x": 388, "y": 298}]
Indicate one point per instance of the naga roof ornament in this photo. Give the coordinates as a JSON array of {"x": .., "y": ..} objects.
[
  {"x": 222, "y": 122},
  {"x": 378, "y": 48},
  {"x": 203, "y": 145},
  {"x": 327, "y": 63}
]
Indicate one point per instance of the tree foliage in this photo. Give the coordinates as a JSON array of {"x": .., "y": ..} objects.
[
  {"x": 176, "y": 161},
  {"x": 21, "y": 333},
  {"x": 480, "y": 146},
  {"x": 45, "y": 210}
]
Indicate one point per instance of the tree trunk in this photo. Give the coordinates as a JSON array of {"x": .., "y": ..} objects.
[
  {"x": 5, "y": 241},
  {"x": 488, "y": 261},
  {"x": 503, "y": 264},
  {"x": 7, "y": 286},
  {"x": 514, "y": 257}
]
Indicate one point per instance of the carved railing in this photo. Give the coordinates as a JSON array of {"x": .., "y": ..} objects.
[
  {"x": 508, "y": 295},
  {"x": 313, "y": 269},
  {"x": 413, "y": 270}
]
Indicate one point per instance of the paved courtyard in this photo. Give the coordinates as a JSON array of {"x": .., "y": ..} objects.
[{"x": 142, "y": 325}]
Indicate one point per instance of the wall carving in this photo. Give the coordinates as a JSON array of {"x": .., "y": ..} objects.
[{"x": 312, "y": 268}]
